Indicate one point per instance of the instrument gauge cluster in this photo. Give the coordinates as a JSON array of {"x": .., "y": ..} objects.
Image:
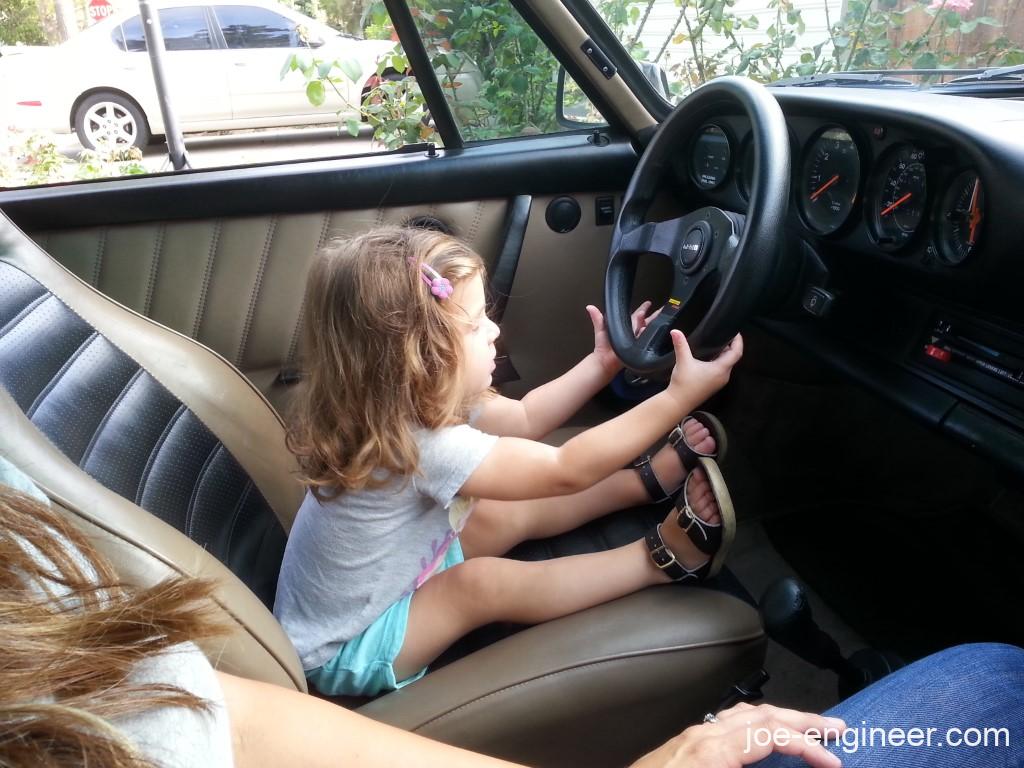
[{"x": 868, "y": 188}]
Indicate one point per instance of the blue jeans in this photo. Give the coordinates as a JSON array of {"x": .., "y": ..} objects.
[{"x": 970, "y": 687}]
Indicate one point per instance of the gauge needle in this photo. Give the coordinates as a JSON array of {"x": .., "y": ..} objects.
[
  {"x": 897, "y": 204},
  {"x": 815, "y": 194},
  {"x": 974, "y": 219}
]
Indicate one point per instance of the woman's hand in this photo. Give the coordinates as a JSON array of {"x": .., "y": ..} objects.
[
  {"x": 699, "y": 379},
  {"x": 602, "y": 345},
  {"x": 745, "y": 734}
]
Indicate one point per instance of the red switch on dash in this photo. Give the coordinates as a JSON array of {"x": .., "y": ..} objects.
[{"x": 940, "y": 354}]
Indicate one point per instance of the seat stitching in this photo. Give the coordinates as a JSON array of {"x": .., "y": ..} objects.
[
  {"x": 29, "y": 308},
  {"x": 207, "y": 273},
  {"x": 293, "y": 345},
  {"x": 154, "y": 268},
  {"x": 55, "y": 379},
  {"x": 107, "y": 415},
  {"x": 474, "y": 228},
  {"x": 153, "y": 453},
  {"x": 100, "y": 250},
  {"x": 195, "y": 489},
  {"x": 244, "y": 497},
  {"x": 254, "y": 297}
]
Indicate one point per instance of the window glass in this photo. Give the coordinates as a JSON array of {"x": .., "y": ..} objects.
[
  {"x": 246, "y": 26},
  {"x": 185, "y": 29},
  {"x": 343, "y": 86},
  {"x": 498, "y": 76},
  {"x": 688, "y": 42},
  {"x": 134, "y": 38}
]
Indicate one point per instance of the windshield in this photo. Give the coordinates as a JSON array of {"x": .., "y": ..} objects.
[{"x": 923, "y": 41}]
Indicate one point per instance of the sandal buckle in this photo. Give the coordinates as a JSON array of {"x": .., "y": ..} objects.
[
  {"x": 676, "y": 436},
  {"x": 671, "y": 557},
  {"x": 693, "y": 519}
]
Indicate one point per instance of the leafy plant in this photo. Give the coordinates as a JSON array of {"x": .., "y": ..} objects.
[
  {"x": 37, "y": 160},
  {"x": 20, "y": 23},
  {"x": 393, "y": 106}
]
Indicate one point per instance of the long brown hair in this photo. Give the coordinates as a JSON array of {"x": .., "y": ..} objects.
[
  {"x": 70, "y": 635},
  {"x": 383, "y": 357}
]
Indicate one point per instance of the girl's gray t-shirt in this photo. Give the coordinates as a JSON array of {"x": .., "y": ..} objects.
[{"x": 349, "y": 559}]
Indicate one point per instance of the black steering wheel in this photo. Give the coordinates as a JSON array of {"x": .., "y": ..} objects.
[{"x": 722, "y": 261}]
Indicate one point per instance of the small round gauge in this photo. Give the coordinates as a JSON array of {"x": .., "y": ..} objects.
[
  {"x": 745, "y": 172},
  {"x": 709, "y": 161},
  {"x": 897, "y": 203},
  {"x": 829, "y": 180},
  {"x": 960, "y": 217}
]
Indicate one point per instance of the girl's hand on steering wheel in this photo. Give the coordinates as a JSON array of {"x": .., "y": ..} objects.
[
  {"x": 602, "y": 345},
  {"x": 745, "y": 734},
  {"x": 696, "y": 380}
]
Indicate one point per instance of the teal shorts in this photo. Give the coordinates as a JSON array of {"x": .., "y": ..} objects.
[{"x": 364, "y": 665}]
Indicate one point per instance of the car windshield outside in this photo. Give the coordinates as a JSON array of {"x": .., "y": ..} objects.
[
  {"x": 924, "y": 42},
  {"x": 254, "y": 81}
]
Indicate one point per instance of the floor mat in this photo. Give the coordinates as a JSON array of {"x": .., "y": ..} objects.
[{"x": 910, "y": 585}]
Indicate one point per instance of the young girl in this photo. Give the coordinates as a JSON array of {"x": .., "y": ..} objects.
[{"x": 413, "y": 497}]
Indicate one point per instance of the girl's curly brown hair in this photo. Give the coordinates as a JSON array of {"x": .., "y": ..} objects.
[{"x": 383, "y": 357}]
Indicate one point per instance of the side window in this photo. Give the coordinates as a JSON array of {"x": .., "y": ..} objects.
[
  {"x": 498, "y": 76},
  {"x": 246, "y": 26},
  {"x": 134, "y": 39},
  {"x": 184, "y": 29}
]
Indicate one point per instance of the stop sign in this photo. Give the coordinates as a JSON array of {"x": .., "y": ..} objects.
[{"x": 99, "y": 9}]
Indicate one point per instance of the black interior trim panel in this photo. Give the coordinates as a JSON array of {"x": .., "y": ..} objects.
[{"x": 535, "y": 165}]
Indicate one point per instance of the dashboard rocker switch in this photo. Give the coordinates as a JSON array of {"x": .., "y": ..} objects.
[{"x": 817, "y": 301}]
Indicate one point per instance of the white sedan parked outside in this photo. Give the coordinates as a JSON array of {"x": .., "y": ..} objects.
[{"x": 224, "y": 60}]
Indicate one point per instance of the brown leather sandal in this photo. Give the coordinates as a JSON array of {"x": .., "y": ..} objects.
[{"x": 688, "y": 455}]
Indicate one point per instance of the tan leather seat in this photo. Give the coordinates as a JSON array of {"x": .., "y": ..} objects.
[{"x": 174, "y": 462}]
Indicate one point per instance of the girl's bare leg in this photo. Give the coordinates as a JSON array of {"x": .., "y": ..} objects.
[
  {"x": 488, "y": 589},
  {"x": 497, "y": 526}
]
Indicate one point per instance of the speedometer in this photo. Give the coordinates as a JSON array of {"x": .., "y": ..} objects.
[
  {"x": 898, "y": 197},
  {"x": 829, "y": 180}
]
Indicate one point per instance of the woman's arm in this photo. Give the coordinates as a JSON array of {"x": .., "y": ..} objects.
[{"x": 272, "y": 726}]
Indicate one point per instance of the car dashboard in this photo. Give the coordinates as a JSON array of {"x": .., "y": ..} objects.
[{"x": 905, "y": 211}]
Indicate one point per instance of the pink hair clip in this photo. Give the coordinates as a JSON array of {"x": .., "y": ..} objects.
[{"x": 441, "y": 287}]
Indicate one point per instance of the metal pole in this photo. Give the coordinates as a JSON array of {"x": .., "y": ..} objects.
[{"x": 155, "y": 46}]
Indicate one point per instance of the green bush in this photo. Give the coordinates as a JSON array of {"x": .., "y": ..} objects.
[{"x": 19, "y": 23}]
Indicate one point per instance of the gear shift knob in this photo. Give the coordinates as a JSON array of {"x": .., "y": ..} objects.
[{"x": 787, "y": 617}]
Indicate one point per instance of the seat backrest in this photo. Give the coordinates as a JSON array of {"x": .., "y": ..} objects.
[
  {"x": 237, "y": 284},
  {"x": 156, "y": 445}
]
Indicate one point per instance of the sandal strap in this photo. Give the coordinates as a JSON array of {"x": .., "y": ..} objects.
[
  {"x": 677, "y": 439},
  {"x": 707, "y": 537},
  {"x": 665, "y": 559},
  {"x": 650, "y": 480}
]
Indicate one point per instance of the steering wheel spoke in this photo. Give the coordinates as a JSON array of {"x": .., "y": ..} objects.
[{"x": 658, "y": 237}]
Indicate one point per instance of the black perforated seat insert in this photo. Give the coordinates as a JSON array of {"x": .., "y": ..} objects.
[{"x": 127, "y": 431}]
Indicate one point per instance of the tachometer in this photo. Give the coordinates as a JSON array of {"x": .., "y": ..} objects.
[
  {"x": 960, "y": 217},
  {"x": 897, "y": 202},
  {"x": 710, "y": 158},
  {"x": 829, "y": 180}
]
